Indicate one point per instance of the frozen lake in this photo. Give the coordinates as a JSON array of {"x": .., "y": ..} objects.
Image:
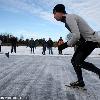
[
  {"x": 44, "y": 77},
  {"x": 23, "y": 50}
]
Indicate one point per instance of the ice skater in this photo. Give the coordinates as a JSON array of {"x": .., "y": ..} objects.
[
  {"x": 60, "y": 42},
  {"x": 32, "y": 45},
  {"x": 13, "y": 43},
  {"x": 83, "y": 36},
  {"x": 50, "y": 45},
  {"x": 7, "y": 54}
]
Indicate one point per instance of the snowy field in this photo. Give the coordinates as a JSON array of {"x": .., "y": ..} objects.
[
  {"x": 39, "y": 77},
  {"x": 23, "y": 50}
]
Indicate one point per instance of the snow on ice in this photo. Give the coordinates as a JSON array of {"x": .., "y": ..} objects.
[{"x": 43, "y": 77}]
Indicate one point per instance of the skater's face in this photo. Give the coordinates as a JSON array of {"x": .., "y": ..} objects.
[{"x": 58, "y": 16}]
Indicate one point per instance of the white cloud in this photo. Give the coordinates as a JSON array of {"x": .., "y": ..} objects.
[
  {"x": 43, "y": 8},
  {"x": 20, "y": 5},
  {"x": 90, "y": 11}
]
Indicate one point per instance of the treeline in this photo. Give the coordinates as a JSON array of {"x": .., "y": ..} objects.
[{"x": 6, "y": 40}]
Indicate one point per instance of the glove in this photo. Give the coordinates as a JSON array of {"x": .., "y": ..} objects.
[{"x": 62, "y": 46}]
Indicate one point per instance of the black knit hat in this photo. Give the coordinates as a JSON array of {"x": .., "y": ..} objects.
[{"x": 59, "y": 8}]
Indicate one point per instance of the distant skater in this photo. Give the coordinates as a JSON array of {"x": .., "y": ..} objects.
[
  {"x": 32, "y": 45},
  {"x": 60, "y": 42},
  {"x": 50, "y": 45},
  {"x": 83, "y": 36},
  {"x": 13, "y": 43}
]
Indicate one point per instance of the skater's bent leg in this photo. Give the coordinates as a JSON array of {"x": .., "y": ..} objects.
[
  {"x": 90, "y": 67},
  {"x": 76, "y": 62},
  {"x": 80, "y": 55}
]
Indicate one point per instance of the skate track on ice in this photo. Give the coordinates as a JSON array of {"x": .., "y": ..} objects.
[{"x": 44, "y": 78}]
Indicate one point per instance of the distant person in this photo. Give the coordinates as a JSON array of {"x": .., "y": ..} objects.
[
  {"x": 0, "y": 44},
  {"x": 27, "y": 43},
  {"x": 44, "y": 44},
  {"x": 50, "y": 45},
  {"x": 13, "y": 43},
  {"x": 32, "y": 45},
  {"x": 60, "y": 42},
  {"x": 83, "y": 36}
]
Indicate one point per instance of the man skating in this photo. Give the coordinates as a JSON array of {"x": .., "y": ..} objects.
[{"x": 83, "y": 36}]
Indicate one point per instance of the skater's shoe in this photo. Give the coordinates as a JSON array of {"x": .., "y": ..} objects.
[
  {"x": 99, "y": 76},
  {"x": 78, "y": 83}
]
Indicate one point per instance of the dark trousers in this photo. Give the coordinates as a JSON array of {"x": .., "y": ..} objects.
[
  {"x": 44, "y": 49},
  {"x": 81, "y": 53},
  {"x": 60, "y": 51},
  {"x": 32, "y": 49},
  {"x": 0, "y": 48},
  {"x": 50, "y": 50},
  {"x": 13, "y": 47}
]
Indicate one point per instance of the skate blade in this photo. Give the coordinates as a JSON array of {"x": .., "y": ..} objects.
[{"x": 77, "y": 87}]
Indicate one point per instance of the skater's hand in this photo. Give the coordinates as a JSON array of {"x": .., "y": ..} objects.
[{"x": 62, "y": 46}]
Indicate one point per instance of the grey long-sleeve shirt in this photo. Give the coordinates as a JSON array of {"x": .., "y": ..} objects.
[{"x": 79, "y": 26}]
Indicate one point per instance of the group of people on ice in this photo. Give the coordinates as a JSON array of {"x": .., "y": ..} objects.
[
  {"x": 46, "y": 45},
  {"x": 13, "y": 41}
]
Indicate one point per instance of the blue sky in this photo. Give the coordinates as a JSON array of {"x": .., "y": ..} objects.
[{"x": 34, "y": 18}]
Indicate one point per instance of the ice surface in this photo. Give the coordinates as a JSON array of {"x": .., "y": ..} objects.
[{"x": 42, "y": 77}]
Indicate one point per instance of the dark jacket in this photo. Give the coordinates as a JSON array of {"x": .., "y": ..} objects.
[
  {"x": 44, "y": 44},
  {"x": 32, "y": 43},
  {"x": 13, "y": 41},
  {"x": 49, "y": 43}
]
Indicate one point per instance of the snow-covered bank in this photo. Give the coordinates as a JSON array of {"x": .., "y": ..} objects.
[{"x": 22, "y": 50}]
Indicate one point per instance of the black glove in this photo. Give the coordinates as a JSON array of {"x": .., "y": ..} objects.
[{"x": 62, "y": 46}]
